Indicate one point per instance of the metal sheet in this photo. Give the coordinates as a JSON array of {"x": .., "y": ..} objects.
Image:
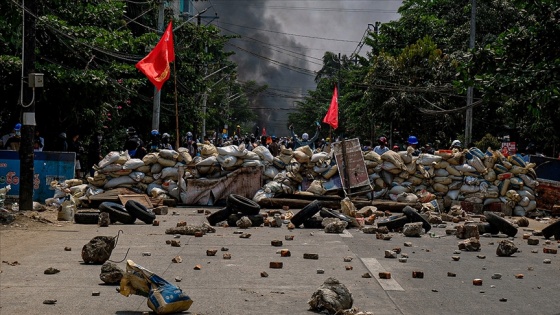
[{"x": 358, "y": 176}]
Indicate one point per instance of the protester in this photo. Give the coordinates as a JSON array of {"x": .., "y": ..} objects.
[
  {"x": 74, "y": 145},
  {"x": 305, "y": 138},
  {"x": 413, "y": 142},
  {"x": 134, "y": 145},
  {"x": 457, "y": 145},
  {"x": 429, "y": 148},
  {"x": 14, "y": 140},
  {"x": 60, "y": 144},
  {"x": 166, "y": 142},
  {"x": 155, "y": 141},
  {"x": 190, "y": 143},
  {"x": 94, "y": 154},
  {"x": 382, "y": 146},
  {"x": 273, "y": 147},
  {"x": 38, "y": 141},
  {"x": 396, "y": 148}
]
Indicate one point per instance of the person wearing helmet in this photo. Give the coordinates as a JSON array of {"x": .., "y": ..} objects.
[
  {"x": 133, "y": 144},
  {"x": 61, "y": 144},
  {"x": 13, "y": 140},
  {"x": 190, "y": 144},
  {"x": 456, "y": 145},
  {"x": 429, "y": 148},
  {"x": 274, "y": 147},
  {"x": 155, "y": 141},
  {"x": 413, "y": 142},
  {"x": 166, "y": 142},
  {"x": 305, "y": 140},
  {"x": 396, "y": 148},
  {"x": 382, "y": 146}
]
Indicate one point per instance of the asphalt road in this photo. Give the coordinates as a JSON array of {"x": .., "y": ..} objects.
[{"x": 235, "y": 286}]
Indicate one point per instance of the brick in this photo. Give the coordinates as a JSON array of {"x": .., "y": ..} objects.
[
  {"x": 177, "y": 259},
  {"x": 519, "y": 276},
  {"x": 451, "y": 274},
  {"x": 418, "y": 274},
  {"x": 550, "y": 250},
  {"x": 175, "y": 243},
  {"x": 277, "y": 243},
  {"x": 162, "y": 210},
  {"x": 477, "y": 282},
  {"x": 348, "y": 267},
  {"x": 155, "y": 223},
  {"x": 366, "y": 275},
  {"x": 197, "y": 267},
  {"x": 198, "y": 234},
  {"x": 245, "y": 235},
  {"x": 276, "y": 264},
  {"x": 384, "y": 275},
  {"x": 532, "y": 241},
  {"x": 285, "y": 253},
  {"x": 181, "y": 223},
  {"x": 264, "y": 274},
  {"x": 289, "y": 237},
  {"x": 310, "y": 256},
  {"x": 526, "y": 236},
  {"x": 455, "y": 258},
  {"x": 227, "y": 256},
  {"x": 211, "y": 252}
]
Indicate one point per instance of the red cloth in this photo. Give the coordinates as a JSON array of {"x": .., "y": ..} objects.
[
  {"x": 156, "y": 64},
  {"x": 264, "y": 131},
  {"x": 331, "y": 117}
]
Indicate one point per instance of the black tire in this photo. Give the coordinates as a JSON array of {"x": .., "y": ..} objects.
[
  {"x": 219, "y": 216},
  {"x": 86, "y": 217},
  {"x": 500, "y": 223},
  {"x": 238, "y": 203},
  {"x": 306, "y": 213},
  {"x": 313, "y": 223},
  {"x": 256, "y": 219},
  {"x": 329, "y": 213},
  {"x": 117, "y": 213},
  {"x": 414, "y": 216},
  {"x": 552, "y": 230},
  {"x": 487, "y": 228},
  {"x": 139, "y": 211},
  {"x": 394, "y": 223}
]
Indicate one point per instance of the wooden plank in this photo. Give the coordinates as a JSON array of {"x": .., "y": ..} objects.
[{"x": 140, "y": 198}]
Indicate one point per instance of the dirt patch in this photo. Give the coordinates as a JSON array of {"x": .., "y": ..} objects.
[{"x": 33, "y": 220}]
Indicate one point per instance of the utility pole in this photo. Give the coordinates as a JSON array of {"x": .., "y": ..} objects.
[
  {"x": 470, "y": 92},
  {"x": 26, "y": 157},
  {"x": 157, "y": 94}
]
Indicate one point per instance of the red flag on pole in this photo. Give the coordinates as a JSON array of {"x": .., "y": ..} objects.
[
  {"x": 156, "y": 64},
  {"x": 331, "y": 117}
]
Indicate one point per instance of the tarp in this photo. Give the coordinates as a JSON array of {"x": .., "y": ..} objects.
[{"x": 245, "y": 181}]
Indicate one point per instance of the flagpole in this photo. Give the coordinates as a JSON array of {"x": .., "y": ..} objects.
[{"x": 176, "y": 109}]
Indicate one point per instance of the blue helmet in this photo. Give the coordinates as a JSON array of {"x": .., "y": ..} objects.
[
  {"x": 155, "y": 132},
  {"x": 412, "y": 140},
  {"x": 17, "y": 126}
]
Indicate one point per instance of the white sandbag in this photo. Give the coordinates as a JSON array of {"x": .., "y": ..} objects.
[
  {"x": 123, "y": 157},
  {"x": 294, "y": 166},
  {"x": 440, "y": 188},
  {"x": 441, "y": 172},
  {"x": 490, "y": 175},
  {"x": 441, "y": 165},
  {"x": 208, "y": 161},
  {"x": 319, "y": 157},
  {"x": 532, "y": 206},
  {"x": 372, "y": 156},
  {"x": 207, "y": 150},
  {"x": 251, "y": 163},
  {"x": 395, "y": 158},
  {"x": 264, "y": 153},
  {"x": 316, "y": 188},
  {"x": 78, "y": 190},
  {"x": 166, "y": 162},
  {"x": 428, "y": 159},
  {"x": 411, "y": 168},
  {"x": 110, "y": 158},
  {"x": 156, "y": 168},
  {"x": 455, "y": 185},
  {"x": 453, "y": 194},
  {"x": 524, "y": 193},
  {"x": 118, "y": 181},
  {"x": 250, "y": 155},
  {"x": 168, "y": 154},
  {"x": 320, "y": 170},
  {"x": 227, "y": 160},
  {"x": 395, "y": 190},
  {"x": 524, "y": 201},
  {"x": 407, "y": 197},
  {"x": 405, "y": 156},
  {"x": 150, "y": 158},
  {"x": 469, "y": 188},
  {"x": 528, "y": 181},
  {"x": 443, "y": 180},
  {"x": 465, "y": 168},
  {"x": 331, "y": 172},
  {"x": 270, "y": 172},
  {"x": 477, "y": 164},
  {"x": 132, "y": 164},
  {"x": 519, "y": 211},
  {"x": 110, "y": 168},
  {"x": 488, "y": 201},
  {"x": 516, "y": 170},
  {"x": 453, "y": 171},
  {"x": 184, "y": 156},
  {"x": 301, "y": 157},
  {"x": 137, "y": 176},
  {"x": 170, "y": 173},
  {"x": 232, "y": 150},
  {"x": 157, "y": 192},
  {"x": 390, "y": 167}
]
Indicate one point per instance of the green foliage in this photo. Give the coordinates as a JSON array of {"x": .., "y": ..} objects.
[{"x": 488, "y": 141}]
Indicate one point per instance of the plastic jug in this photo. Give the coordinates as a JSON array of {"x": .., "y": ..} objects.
[{"x": 67, "y": 210}]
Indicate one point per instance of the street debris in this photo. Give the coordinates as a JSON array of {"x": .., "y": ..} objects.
[
  {"x": 211, "y": 252},
  {"x": 264, "y": 274},
  {"x": 276, "y": 265},
  {"x": 331, "y": 297},
  {"x": 412, "y": 229},
  {"x": 310, "y": 256},
  {"x": 49, "y": 302},
  {"x": 163, "y": 297},
  {"x": 111, "y": 273},
  {"x": 51, "y": 271},
  {"x": 177, "y": 259},
  {"x": 506, "y": 248}
]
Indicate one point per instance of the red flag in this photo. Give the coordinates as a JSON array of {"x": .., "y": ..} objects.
[
  {"x": 156, "y": 64},
  {"x": 331, "y": 117},
  {"x": 264, "y": 131}
]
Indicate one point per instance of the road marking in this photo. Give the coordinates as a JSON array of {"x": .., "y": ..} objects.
[
  {"x": 375, "y": 268},
  {"x": 346, "y": 234}
]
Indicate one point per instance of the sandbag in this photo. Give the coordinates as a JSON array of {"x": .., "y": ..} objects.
[
  {"x": 110, "y": 158},
  {"x": 390, "y": 167},
  {"x": 453, "y": 171},
  {"x": 301, "y": 157},
  {"x": 440, "y": 188},
  {"x": 456, "y": 158},
  {"x": 231, "y": 150},
  {"x": 168, "y": 154},
  {"x": 441, "y": 172},
  {"x": 319, "y": 157},
  {"x": 428, "y": 159},
  {"x": 372, "y": 156},
  {"x": 156, "y": 168},
  {"x": 207, "y": 150},
  {"x": 166, "y": 162},
  {"x": 118, "y": 181},
  {"x": 250, "y": 155},
  {"x": 477, "y": 164},
  {"x": 405, "y": 156},
  {"x": 316, "y": 188},
  {"x": 110, "y": 168},
  {"x": 137, "y": 176},
  {"x": 278, "y": 163},
  {"x": 264, "y": 153},
  {"x": 270, "y": 172},
  {"x": 150, "y": 158},
  {"x": 453, "y": 194},
  {"x": 517, "y": 160},
  {"x": 465, "y": 168},
  {"x": 184, "y": 155},
  {"x": 120, "y": 173},
  {"x": 251, "y": 163},
  {"x": 490, "y": 175},
  {"x": 394, "y": 158},
  {"x": 132, "y": 164},
  {"x": 227, "y": 160},
  {"x": 395, "y": 190},
  {"x": 331, "y": 172},
  {"x": 170, "y": 173},
  {"x": 305, "y": 149},
  {"x": 407, "y": 197}
]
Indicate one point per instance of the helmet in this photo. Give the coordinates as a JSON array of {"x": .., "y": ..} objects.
[
  {"x": 189, "y": 134},
  {"x": 130, "y": 130},
  {"x": 235, "y": 137},
  {"x": 305, "y": 136},
  {"x": 456, "y": 143},
  {"x": 412, "y": 140},
  {"x": 395, "y": 147},
  {"x": 17, "y": 126},
  {"x": 382, "y": 140},
  {"x": 165, "y": 135},
  {"x": 155, "y": 132},
  {"x": 62, "y": 135}
]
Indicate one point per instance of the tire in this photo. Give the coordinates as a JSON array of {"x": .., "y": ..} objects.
[
  {"x": 313, "y": 223},
  {"x": 117, "y": 212},
  {"x": 500, "y": 223},
  {"x": 139, "y": 211},
  {"x": 256, "y": 219},
  {"x": 306, "y": 213},
  {"x": 238, "y": 203},
  {"x": 487, "y": 228},
  {"x": 414, "y": 216},
  {"x": 219, "y": 216},
  {"x": 394, "y": 223},
  {"x": 86, "y": 217},
  {"x": 329, "y": 213},
  {"x": 552, "y": 230}
]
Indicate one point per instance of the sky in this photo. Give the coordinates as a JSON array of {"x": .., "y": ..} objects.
[{"x": 283, "y": 41}]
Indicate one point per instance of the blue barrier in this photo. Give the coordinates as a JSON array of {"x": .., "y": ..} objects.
[
  {"x": 48, "y": 166},
  {"x": 547, "y": 168}
]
